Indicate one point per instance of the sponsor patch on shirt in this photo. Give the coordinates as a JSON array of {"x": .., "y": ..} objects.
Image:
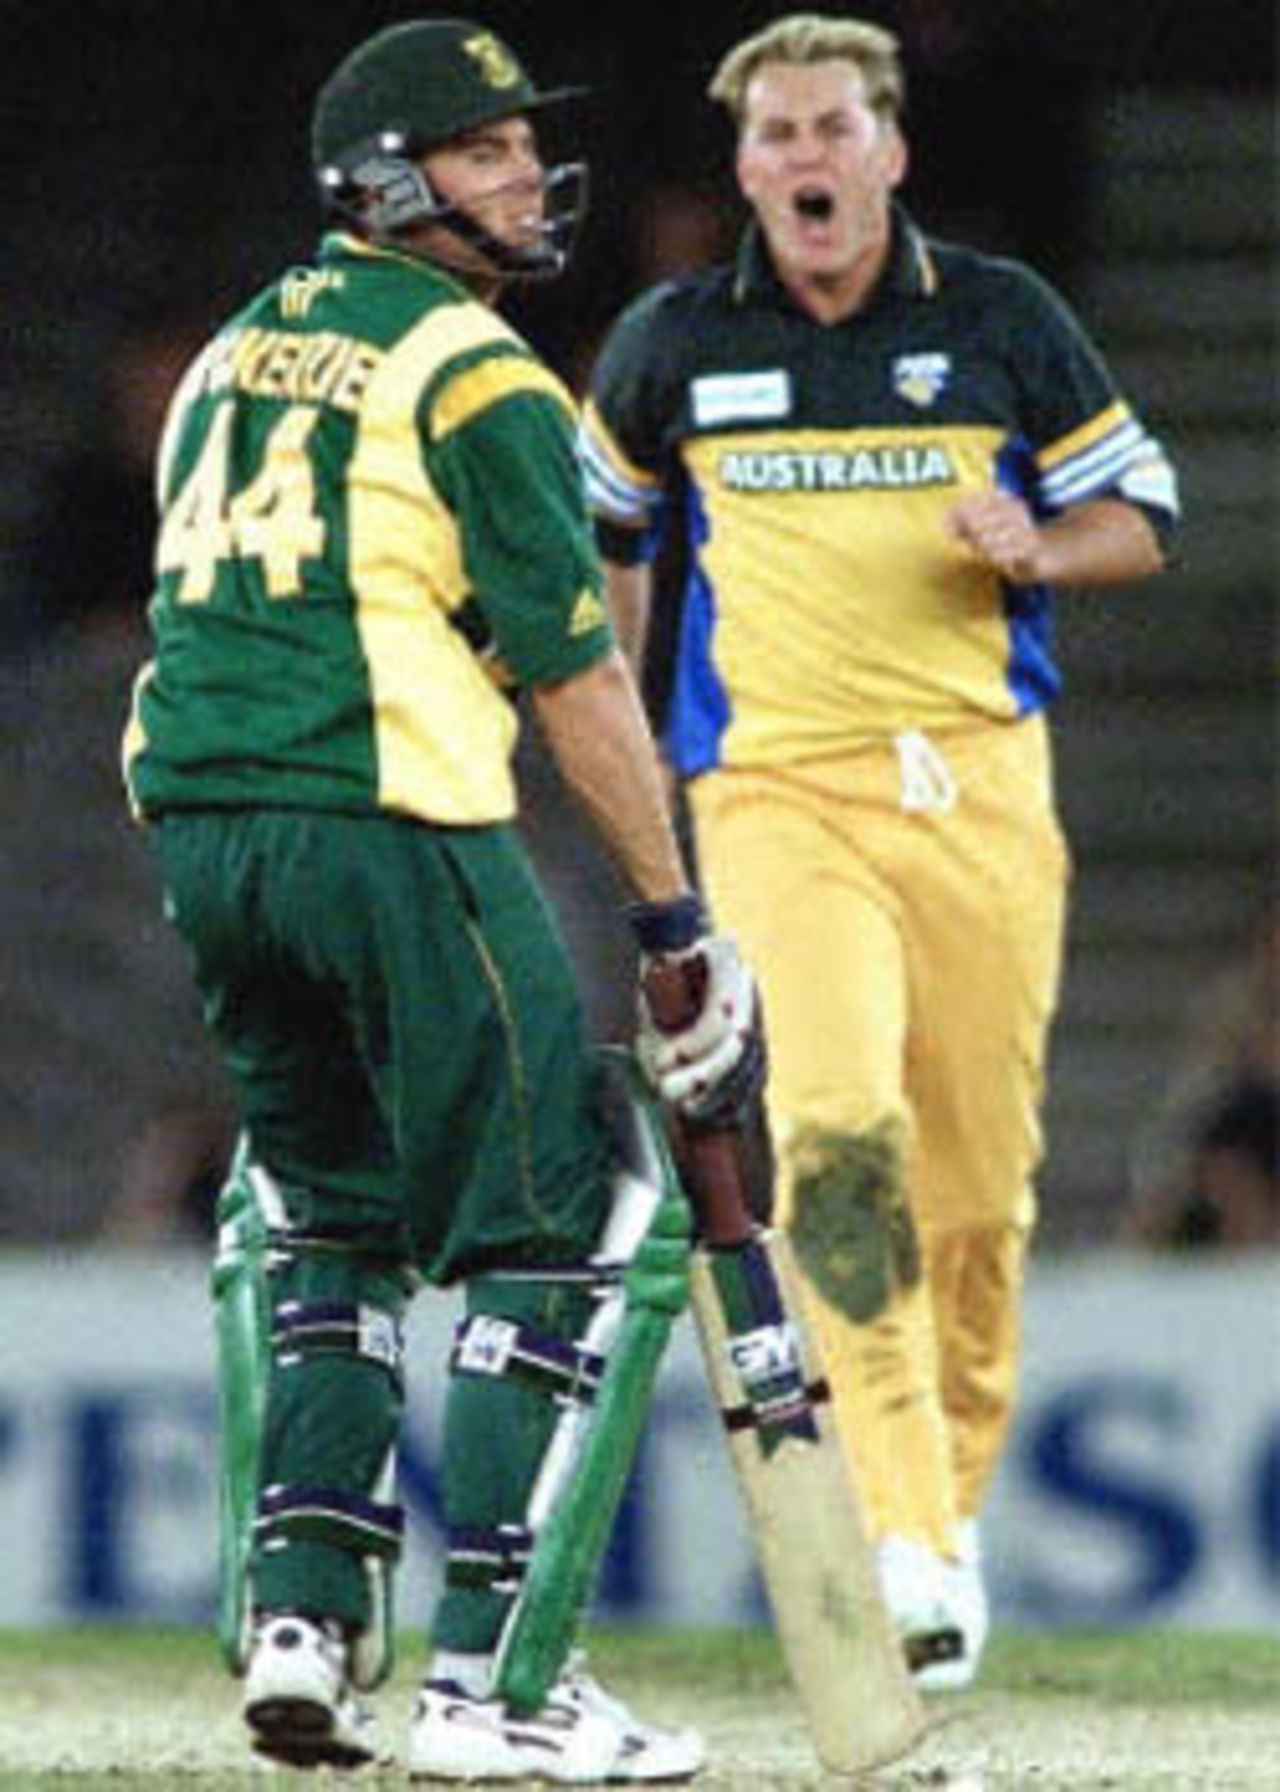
[
  {"x": 740, "y": 397},
  {"x": 588, "y": 614}
]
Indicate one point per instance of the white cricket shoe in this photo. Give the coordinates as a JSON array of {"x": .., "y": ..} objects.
[
  {"x": 298, "y": 1703},
  {"x": 938, "y": 1607},
  {"x": 581, "y": 1735},
  {"x": 967, "y": 1597}
]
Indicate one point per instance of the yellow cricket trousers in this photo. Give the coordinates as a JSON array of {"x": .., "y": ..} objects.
[{"x": 903, "y": 909}]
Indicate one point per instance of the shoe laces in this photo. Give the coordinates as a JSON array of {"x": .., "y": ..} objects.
[
  {"x": 325, "y": 1636},
  {"x": 581, "y": 1688}
]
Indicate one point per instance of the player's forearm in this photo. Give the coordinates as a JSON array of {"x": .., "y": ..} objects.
[
  {"x": 1106, "y": 542},
  {"x": 1103, "y": 542},
  {"x": 597, "y": 733},
  {"x": 630, "y": 595}
]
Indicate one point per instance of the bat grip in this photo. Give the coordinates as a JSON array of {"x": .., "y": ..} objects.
[
  {"x": 712, "y": 1155},
  {"x": 718, "y": 1192}
]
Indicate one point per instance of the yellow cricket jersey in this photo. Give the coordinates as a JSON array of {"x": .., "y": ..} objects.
[{"x": 827, "y": 602}]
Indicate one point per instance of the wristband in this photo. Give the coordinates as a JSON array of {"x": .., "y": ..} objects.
[{"x": 673, "y": 926}]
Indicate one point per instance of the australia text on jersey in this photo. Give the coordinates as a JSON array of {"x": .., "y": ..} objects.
[{"x": 894, "y": 466}]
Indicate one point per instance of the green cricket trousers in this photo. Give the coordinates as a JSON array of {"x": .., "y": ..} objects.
[
  {"x": 397, "y": 1011},
  {"x": 398, "y": 1015}
]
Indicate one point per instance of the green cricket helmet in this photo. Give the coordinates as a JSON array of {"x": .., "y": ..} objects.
[{"x": 410, "y": 89}]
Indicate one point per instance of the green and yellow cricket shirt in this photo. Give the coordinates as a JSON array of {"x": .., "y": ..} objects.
[
  {"x": 372, "y": 526},
  {"x": 827, "y": 603}
]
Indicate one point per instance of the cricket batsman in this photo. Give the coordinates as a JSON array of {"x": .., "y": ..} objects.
[{"x": 372, "y": 543}]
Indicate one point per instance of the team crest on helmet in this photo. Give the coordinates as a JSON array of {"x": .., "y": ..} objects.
[
  {"x": 496, "y": 63},
  {"x": 921, "y": 379}
]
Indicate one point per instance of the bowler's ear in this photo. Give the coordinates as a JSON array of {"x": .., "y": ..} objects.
[
  {"x": 898, "y": 154},
  {"x": 741, "y": 169}
]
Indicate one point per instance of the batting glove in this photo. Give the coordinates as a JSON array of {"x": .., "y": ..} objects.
[{"x": 700, "y": 1039}]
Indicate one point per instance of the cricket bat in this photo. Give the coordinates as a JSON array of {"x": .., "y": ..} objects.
[{"x": 844, "y": 1659}]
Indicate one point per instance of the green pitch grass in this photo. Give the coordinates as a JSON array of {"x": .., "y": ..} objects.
[{"x": 1158, "y": 1667}]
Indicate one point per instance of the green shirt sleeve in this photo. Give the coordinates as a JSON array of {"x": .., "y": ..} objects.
[{"x": 511, "y": 477}]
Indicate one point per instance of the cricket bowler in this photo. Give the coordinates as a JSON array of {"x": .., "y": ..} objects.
[{"x": 886, "y": 455}]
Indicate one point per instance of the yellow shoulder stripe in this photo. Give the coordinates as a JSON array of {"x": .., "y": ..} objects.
[
  {"x": 1087, "y": 434},
  {"x": 457, "y": 329},
  {"x": 469, "y": 393},
  {"x": 438, "y": 338}
]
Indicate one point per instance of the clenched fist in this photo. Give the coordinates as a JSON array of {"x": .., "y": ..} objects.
[{"x": 1002, "y": 531}]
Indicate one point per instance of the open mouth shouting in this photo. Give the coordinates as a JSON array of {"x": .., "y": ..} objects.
[
  {"x": 814, "y": 203},
  {"x": 814, "y": 214}
]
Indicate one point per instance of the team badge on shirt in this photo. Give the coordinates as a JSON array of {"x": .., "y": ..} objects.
[{"x": 921, "y": 379}]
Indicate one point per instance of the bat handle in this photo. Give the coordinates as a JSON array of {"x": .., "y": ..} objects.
[
  {"x": 719, "y": 1193},
  {"x": 713, "y": 1156}
]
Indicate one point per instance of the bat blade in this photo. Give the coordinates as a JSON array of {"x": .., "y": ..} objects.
[
  {"x": 847, "y": 1665},
  {"x": 843, "y": 1657}
]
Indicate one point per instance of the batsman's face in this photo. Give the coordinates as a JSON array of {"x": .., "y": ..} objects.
[
  {"x": 818, "y": 166},
  {"x": 496, "y": 175}
]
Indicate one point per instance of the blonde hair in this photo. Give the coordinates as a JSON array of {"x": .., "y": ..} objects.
[{"x": 806, "y": 37}]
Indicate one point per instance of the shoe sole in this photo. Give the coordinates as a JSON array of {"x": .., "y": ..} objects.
[
  {"x": 454, "y": 1771},
  {"x": 531, "y": 1774},
  {"x": 531, "y": 1777},
  {"x": 301, "y": 1733}
]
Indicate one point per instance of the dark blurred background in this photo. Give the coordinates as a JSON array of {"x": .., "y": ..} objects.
[{"x": 157, "y": 173}]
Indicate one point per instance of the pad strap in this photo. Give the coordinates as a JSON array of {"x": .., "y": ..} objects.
[
  {"x": 594, "y": 1275},
  {"x": 493, "y": 1557},
  {"x": 286, "y": 1245},
  {"x": 347, "y": 1328},
  {"x": 486, "y": 1345},
  {"x": 361, "y": 1526}
]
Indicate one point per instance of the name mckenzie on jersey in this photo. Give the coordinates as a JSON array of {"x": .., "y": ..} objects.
[{"x": 896, "y": 466}]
